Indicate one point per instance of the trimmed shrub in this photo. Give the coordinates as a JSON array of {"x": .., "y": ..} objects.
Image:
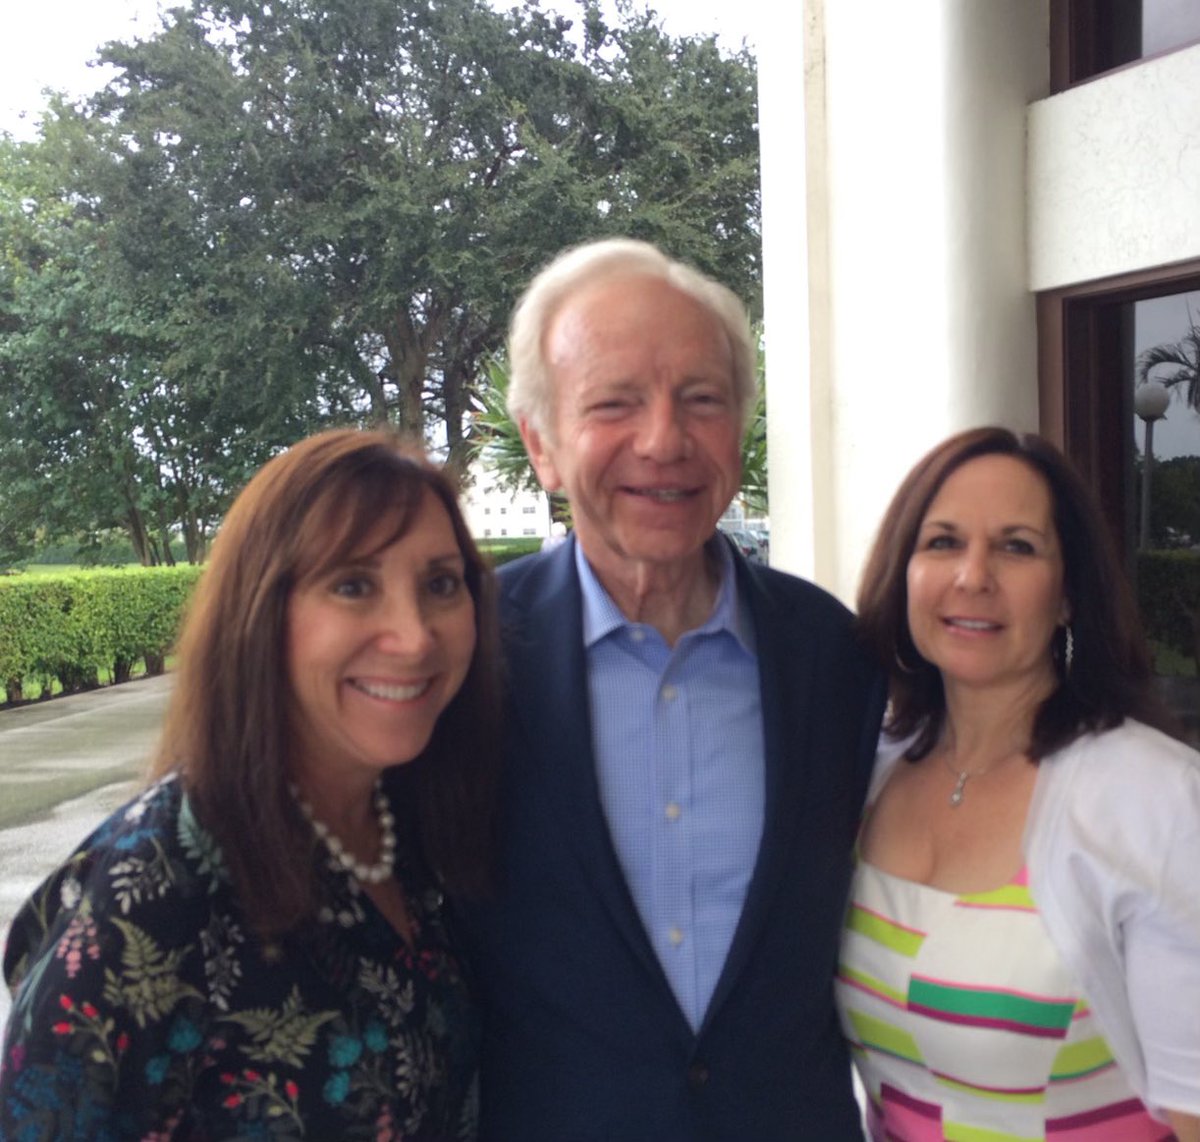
[
  {"x": 501, "y": 551},
  {"x": 1168, "y": 588},
  {"x": 74, "y": 625}
]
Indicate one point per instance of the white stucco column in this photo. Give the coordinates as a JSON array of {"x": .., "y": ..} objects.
[
  {"x": 793, "y": 444},
  {"x": 894, "y": 227}
]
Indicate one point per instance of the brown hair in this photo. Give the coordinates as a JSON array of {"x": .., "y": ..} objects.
[
  {"x": 227, "y": 726},
  {"x": 1110, "y": 677}
]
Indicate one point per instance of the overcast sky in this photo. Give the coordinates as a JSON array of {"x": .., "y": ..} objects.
[{"x": 48, "y": 43}]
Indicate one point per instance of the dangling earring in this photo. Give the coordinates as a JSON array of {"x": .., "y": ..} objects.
[{"x": 1068, "y": 649}]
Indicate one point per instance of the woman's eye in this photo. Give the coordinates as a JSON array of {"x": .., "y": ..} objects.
[
  {"x": 1019, "y": 547},
  {"x": 941, "y": 543},
  {"x": 445, "y": 585},
  {"x": 351, "y": 586}
]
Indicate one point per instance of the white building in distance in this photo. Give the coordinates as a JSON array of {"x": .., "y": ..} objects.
[{"x": 493, "y": 512}]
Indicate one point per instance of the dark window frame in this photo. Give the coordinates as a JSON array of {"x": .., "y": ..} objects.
[
  {"x": 1080, "y": 43},
  {"x": 1084, "y": 401}
]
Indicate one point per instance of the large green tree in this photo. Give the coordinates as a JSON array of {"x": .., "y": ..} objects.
[{"x": 279, "y": 216}]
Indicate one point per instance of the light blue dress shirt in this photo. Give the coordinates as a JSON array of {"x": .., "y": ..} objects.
[{"x": 677, "y": 734}]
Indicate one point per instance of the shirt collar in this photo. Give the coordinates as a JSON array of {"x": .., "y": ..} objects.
[{"x": 601, "y": 616}]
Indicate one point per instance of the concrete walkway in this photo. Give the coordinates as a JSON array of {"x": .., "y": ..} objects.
[{"x": 64, "y": 766}]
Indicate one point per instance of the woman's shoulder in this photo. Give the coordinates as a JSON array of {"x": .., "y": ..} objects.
[
  {"x": 156, "y": 832},
  {"x": 145, "y": 867},
  {"x": 1128, "y": 783},
  {"x": 1113, "y": 761}
]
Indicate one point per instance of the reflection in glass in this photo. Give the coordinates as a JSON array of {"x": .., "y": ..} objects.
[
  {"x": 1166, "y": 476},
  {"x": 1116, "y": 32}
]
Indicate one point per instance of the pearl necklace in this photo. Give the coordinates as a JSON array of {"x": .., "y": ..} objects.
[{"x": 341, "y": 856}]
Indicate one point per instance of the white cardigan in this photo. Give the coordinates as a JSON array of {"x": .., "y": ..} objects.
[{"x": 1112, "y": 844}]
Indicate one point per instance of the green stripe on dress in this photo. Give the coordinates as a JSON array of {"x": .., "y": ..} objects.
[
  {"x": 957, "y": 1132},
  {"x": 870, "y": 984},
  {"x": 902, "y": 940},
  {"x": 989, "y": 1007},
  {"x": 1011, "y": 896},
  {"x": 880, "y": 1036},
  {"x": 1083, "y": 1058}
]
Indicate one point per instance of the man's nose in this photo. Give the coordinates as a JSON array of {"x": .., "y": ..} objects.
[{"x": 663, "y": 434}]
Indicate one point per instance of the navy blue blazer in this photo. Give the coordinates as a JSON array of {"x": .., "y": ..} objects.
[{"x": 583, "y": 1038}]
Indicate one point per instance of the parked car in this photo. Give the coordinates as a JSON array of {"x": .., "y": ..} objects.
[
  {"x": 745, "y": 543},
  {"x": 764, "y": 541}
]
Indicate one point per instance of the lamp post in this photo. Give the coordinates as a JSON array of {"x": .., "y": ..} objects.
[{"x": 1150, "y": 402}]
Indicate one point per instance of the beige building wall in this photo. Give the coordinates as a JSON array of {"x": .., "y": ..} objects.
[
  {"x": 1114, "y": 173},
  {"x": 895, "y": 229}
]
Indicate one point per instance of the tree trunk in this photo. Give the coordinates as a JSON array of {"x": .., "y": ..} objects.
[{"x": 139, "y": 537}]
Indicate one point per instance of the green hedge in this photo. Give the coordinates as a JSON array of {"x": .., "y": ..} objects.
[
  {"x": 1168, "y": 587},
  {"x": 501, "y": 551},
  {"x": 74, "y": 625}
]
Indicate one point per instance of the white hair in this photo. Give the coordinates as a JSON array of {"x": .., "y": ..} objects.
[{"x": 530, "y": 389}]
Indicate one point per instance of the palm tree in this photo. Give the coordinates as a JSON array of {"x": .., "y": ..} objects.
[
  {"x": 1183, "y": 357},
  {"x": 496, "y": 440}
]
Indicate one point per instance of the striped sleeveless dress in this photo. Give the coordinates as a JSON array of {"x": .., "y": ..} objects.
[{"x": 966, "y": 1026}]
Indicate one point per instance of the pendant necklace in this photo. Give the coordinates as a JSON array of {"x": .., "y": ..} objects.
[{"x": 962, "y": 776}]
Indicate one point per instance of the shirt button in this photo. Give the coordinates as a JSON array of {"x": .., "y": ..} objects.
[
  {"x": 673, "y": 811},
  {"x": 697, "y": 1075},
  {"x": 675, "y": 935},
  {"x": 637, "y": 634},
  {"x": 669, "y": 693}
]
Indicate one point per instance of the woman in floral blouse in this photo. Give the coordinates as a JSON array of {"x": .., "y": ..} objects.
[{"x": 256, "y": 946}]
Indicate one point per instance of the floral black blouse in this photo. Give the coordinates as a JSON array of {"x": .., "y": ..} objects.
[{"x": 144, "y": 1008}]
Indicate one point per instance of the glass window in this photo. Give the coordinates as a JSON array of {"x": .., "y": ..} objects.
[
  {"x": 1127, "y": 409},
  {"x": 1166, "y": 425},
  {"x": 1094, "y": 36}
]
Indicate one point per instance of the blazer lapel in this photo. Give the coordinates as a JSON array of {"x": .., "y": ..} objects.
[
  {"x": 548, "y": 676},
  {"x": 786, "y": 660}
]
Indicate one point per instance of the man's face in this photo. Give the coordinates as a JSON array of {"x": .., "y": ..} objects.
[{"x": 647, "y": 426}]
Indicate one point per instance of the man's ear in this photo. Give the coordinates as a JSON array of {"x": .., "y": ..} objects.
[{"x": 541, "y": 456}]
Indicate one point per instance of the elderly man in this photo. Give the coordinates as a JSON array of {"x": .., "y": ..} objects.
[{"x": 689, "y": 745}]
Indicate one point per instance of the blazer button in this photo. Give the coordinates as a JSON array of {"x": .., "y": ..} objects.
[{"x": 697, "y": 1075}]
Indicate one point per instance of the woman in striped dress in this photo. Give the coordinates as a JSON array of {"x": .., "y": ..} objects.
[{"x": 1021, "y": 957}]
